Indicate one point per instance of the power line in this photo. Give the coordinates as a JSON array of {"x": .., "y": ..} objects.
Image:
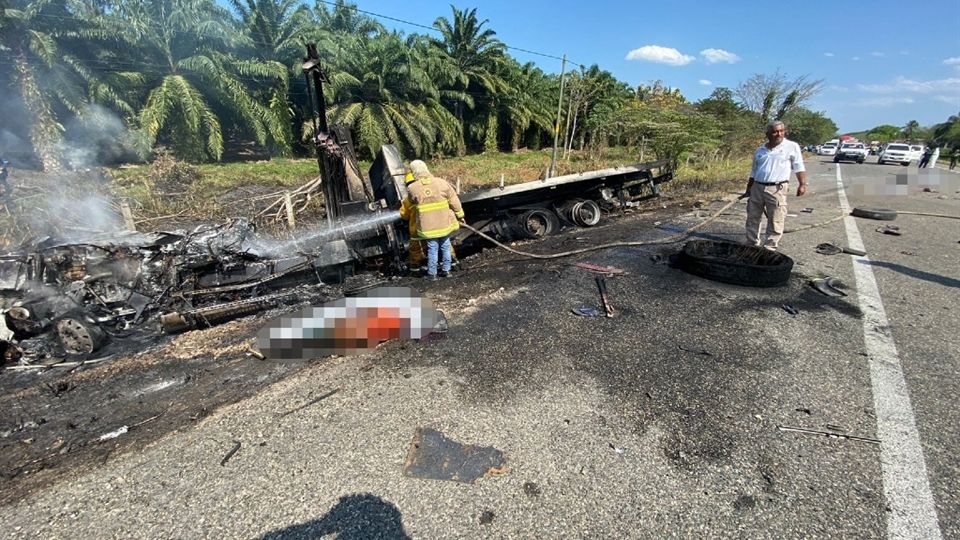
[{"x": 430, "y": 28}]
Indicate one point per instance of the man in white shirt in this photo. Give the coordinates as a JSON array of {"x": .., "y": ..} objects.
[{"x": 768, "y": 185}]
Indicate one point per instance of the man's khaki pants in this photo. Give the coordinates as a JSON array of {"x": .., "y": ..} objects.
[{"x": 770, "y": 201}]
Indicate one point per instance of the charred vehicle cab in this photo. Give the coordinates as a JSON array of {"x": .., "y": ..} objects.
[{"x": 87, "y": 290}]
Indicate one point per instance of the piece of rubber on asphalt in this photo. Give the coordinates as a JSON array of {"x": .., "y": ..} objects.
[
  {"x": 881, "y": 214},
  {"x": 736, "y": 264},
  {"x": 827, "y": 248},
  {"x": 586, "y": 311},
  {"x": 889, "y": 229}
]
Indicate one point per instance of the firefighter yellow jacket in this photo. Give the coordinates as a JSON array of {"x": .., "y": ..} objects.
[{"x": 434, "y": 204}]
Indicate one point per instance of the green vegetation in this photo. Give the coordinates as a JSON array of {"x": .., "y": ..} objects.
[{"x": 209, "y": 82}]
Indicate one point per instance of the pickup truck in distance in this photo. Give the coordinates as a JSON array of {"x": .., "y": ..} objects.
[{"x": 851, "y": 152}]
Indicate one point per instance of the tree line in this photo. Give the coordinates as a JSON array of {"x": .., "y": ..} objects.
[{"x": 196, "y": 77}]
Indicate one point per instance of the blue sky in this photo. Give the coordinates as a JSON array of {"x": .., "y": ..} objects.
[{"x": 883, "y": 62}]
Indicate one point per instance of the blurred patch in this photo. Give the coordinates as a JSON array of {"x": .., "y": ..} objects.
[
  {"x": 351, "y": 325},
  {"x": 901, "y": 184}
]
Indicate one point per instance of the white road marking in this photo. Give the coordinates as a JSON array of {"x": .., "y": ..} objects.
[{"x": 905, "y": 483}]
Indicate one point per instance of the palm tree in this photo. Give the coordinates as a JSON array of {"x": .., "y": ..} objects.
[
  {"x": 41, "y": 38},
  {"x": 379, "y": 90},
  {"x": 530, "y": 104},
  {"x": 343, "y": 18},
  {"x": 909, "y": 129},
  {"x": 274, "y": 32},
  {"x": 193, "y": 84},
  {"x": 476, "y": 56}
]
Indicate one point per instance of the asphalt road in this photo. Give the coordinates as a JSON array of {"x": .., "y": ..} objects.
[{"x": 661, "y": 421}]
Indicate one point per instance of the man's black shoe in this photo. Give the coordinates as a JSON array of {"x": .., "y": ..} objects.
[
  {"x": 441, "y": 273},
  {"x": 431, "y": 277}
]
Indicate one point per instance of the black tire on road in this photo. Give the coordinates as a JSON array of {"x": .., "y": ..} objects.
[
  {"x": 880, "y": 162},
  {"x": 736, "y": 264},
  {"x": 882, "y": 214}
]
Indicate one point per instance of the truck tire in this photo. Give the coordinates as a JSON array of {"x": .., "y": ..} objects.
[
  {"x": 882, "y": 214},
  {"x": 77, "y": 336},
  {"x": 736, "y": 264},
  {"x": 538, "y": 223},
  {"x": 586, "y": 213}
]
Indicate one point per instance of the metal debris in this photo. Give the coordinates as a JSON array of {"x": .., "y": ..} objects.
[
  {"x": 892, "y": 230},
  {"x": 585, "y": 311},
  {"x": 230, "y": 454},
  {"x": 604, "y": 297},
  {"x": 608, "y": 270},
  {"x": 433, "y": 456},
  {"x": 790, "y": 309},
  {"x": 828, "y": 434},
  {"x": 828, "y": 287}
]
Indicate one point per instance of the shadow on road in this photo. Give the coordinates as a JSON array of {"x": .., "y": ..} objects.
[
  {"x": 918, "y": 274},
  {"x": 354, "y": 517}
]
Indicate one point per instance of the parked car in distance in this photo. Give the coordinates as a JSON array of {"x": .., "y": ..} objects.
[
  {"x": 895, "y": 152},
  {"x": 828, "y": 149},
  {"x": 851, "y": 152}
]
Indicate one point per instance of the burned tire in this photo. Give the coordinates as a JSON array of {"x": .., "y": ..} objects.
[
  {"x": 586, "y": 213},
  {"x": 882, "y": 214},
  {"x": 538, "y": 223},
  {"x": 736, "y": 264},
  {"x": 77, "y": 336}
]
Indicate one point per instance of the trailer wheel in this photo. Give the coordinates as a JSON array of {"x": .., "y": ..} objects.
[
  {"x": 79, "y": 336},
  {"x": 538, "y": 223},
  {"x": 736, "y": 264},
  {"x": 586, "y": 213}
]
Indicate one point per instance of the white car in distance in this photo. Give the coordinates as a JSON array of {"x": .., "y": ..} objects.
[
  {"x": 828, "y": 149},
  {"x": 900, "y": 153},
  {"x": 916, "y": 152}
]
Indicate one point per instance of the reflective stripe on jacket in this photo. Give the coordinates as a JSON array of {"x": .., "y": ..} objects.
[{"x": 434, "y": 204}]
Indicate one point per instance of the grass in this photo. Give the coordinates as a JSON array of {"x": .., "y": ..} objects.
[{"x": 172, "y": 194}]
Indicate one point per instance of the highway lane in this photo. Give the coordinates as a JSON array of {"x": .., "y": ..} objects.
[{"x": 660, "y": 421}]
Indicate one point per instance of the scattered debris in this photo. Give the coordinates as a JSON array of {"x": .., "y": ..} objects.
[
  {"x": 790, "y": 309},
  {"x": 828, "y": 248},
  {"x": 704, "y": 352},
  {"x": 807, "y": 210},
  {"x": 486, "y": 517},
  {"x": 892, "y": 230},
  {"x": 433, "y": 456},
  {"x": 804, "y": 410},
  {"x": 313, "y": 401},
  {"x": 230, "y": 454},
  {"x": 617, "y": 449},
  {"x": 604, "y": 298},
  {"x": 828, "y": 286},
  {"x": 531, "y": 489},
  {"x": 586, "y": 311},
  {"x": 828, "y": 434},
  {"x": 114, "y": 434},
  {"x": 609, "y": 270},
  {"x": 908, "y": 253}
]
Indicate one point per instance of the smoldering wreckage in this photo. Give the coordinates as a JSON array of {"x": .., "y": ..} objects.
[{"x": 71, "y": 297}]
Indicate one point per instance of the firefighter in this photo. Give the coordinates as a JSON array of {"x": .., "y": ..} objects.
[
  {"x": 433, "y": 205},
  {"x": 415, "y": 252}
]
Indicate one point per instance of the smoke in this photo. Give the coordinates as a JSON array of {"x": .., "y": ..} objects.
[{"x": 99, "y": 137}]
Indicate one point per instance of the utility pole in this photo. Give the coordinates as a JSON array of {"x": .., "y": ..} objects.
[{"x": 556, "y": 125}]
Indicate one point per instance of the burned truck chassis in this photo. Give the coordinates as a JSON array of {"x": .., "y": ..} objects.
[{"x": 95, "y": 288}]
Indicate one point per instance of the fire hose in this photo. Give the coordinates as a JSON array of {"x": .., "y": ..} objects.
[{"x": 669, "y": 239}]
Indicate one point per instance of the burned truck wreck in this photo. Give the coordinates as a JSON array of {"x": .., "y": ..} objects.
[
  {"x": 74, "y": 295},
  {"x": 85, "y": 291}
]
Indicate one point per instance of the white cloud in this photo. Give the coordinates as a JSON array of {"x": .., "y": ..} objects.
[
  {"x": 884, "y": 102},
  {"x": 951, "y": 100},
  {"x": 705, "y": 82},
  {"x": 837, "y": 88},
  {"x": 953, "y": 61},
  {"x": 903, "y": 84},
  {"x": 855, "y": 58},
  {"x": 660, "y": 55},
  {"x": 828, "y": 54},
  {"x": 905, "y": 52},
  {"x": 716, "y": 56},
  {"x": 877, "y": 54}
]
